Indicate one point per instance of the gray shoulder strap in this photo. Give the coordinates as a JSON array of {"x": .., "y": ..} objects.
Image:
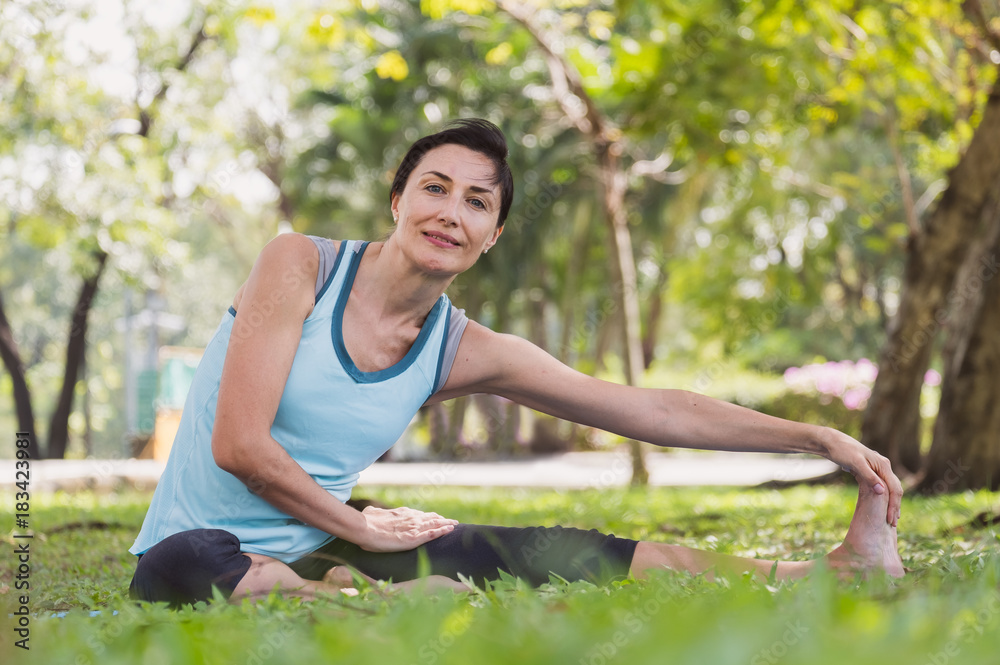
[
  {"x": 327, "y": 259},
  {"x": 456, "y": 327}
]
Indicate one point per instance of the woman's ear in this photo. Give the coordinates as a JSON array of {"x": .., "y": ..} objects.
[
  {"x": 394, "y": 207},
  {"x": 496, "y": 235}
]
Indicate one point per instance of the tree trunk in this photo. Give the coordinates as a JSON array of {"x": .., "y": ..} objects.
[
  {"x": 437, "y": 427},
  {"x": 445, "y": 423},
  {"x": 935, "y": 254},
  {"x": 569, "y": 91},
  {"x": 626, "y": 283},
  {"x": 22, "y": 394},
  {"x": 75, "y": 349},
  {"x": 891, "y": 423},
  {"x": 537, "y": 329},
  {"x": 966, "y": 449},
  {"x": 605, "y": 329},
  {"x": 577, "y": 263},
  {"x": 655, "y": 313},
  {"x": 456, "y": 440},
  {"x": 88, "y": 429},
  {"x": 965, "y": 453},
  {"x": 969, "y": 292},
  {"x": 501, "y": 421}
]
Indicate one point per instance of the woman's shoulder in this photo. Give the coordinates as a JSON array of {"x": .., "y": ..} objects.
[
  {"x": 289, "y": 262},
  {"x": 286, "y": 245},
  {"x": 293, "y": 257},
  {"x": 329, "y": 244},
  {"x": 298, "y": 243},
  {"x": 297, "y": 250}
]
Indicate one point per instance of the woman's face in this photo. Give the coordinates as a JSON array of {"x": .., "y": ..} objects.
[{"x": 448, "y": 211}]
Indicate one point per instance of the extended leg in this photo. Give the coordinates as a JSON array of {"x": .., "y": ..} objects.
[
  {"x": 482, "y": 553},
  {"x": 650, "y": 556},
  {"x": 870, "y": 544}
]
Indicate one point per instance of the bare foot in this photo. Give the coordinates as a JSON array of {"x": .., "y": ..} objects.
[
  {"x": 433, "y": 584},
  {"x": 870, "y": 543},
  {"x": 341, "y": 576}
]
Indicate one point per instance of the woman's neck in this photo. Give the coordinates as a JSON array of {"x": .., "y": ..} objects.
[{"x": 393, "y": 286}]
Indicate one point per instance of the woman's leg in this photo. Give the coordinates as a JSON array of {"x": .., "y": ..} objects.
[
  {"x": 870, "y": 545},
  {"x": 267, "y": 574},
  {"x": 482, "y": 553},
  {"x": 185, "y": 567},
  {"x": 479, "y": 552}
]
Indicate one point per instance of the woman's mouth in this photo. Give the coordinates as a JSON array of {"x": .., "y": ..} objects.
[{"x": 441, "y": 239}]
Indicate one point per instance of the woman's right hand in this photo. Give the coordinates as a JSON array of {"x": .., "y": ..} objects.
[{"x": 399, "y": 529}]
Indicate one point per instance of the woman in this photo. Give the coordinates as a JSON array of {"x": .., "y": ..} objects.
[{"x": 328, "y": 351}]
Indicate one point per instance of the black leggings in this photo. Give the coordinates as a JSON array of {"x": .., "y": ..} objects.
[{"x": 183, "y": 567}]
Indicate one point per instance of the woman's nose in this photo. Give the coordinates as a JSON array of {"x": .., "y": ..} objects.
[{"x": 448, "y": 212}]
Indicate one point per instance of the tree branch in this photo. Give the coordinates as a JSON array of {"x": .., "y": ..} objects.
[
  {"x": 11, "y": 356},
  {"x": 802, "y": 181},
  {"x": 566, "y": 82},
  {"x": 657, "y": 169},
  {"x": 905, "y": 185},
  {"x": 145, "y": 120},
  {"x": 76, "y": 347},
  {"x": 973, "y": 10}
]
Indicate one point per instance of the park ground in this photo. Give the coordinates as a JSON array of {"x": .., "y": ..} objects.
[{"x": 947, "y": 610}]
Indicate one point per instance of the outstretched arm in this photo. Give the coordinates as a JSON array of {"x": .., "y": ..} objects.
[{"x": 517, "y": 369}]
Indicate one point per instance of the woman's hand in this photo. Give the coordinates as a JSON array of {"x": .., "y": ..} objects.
[
  {"x": 867, "y": 466},
  {"x": 401, "y": 529}
]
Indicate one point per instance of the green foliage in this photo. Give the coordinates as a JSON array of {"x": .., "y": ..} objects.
[
  {"x": 776, "y": 233},
  {"x": 949, "y": 603}
]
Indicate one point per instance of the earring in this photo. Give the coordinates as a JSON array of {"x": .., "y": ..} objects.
[{"x": 486, "y": 250}]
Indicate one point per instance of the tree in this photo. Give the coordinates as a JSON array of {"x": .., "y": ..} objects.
[
  {"x": 935, "y": 251},
  {"x": 680, "y": 81},
  {"x": 94, "y": 222},
  {"x": 767, "y": 162},
  {"x": 965, "y": 453},
  {"x": 581, "y": 109},
  {"x": 11, "y": 355}
]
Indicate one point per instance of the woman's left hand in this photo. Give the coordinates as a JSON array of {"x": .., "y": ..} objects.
[
  {"x": 399, "y": 529},
  {"x": 868, "y": 467}
]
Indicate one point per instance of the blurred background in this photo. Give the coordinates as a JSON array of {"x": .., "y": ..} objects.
[{"x": 794, "y": 206}]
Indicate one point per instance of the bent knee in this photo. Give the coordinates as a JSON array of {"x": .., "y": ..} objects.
[
  {"x": 184, "y": 567},
  {"x": 267, "y": 574}
]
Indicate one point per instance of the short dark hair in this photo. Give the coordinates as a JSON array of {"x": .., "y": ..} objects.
[{"x": 475, "y": 134}]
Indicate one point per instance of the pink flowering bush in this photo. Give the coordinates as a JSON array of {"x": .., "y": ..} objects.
[{"x": 849, "y": 381}]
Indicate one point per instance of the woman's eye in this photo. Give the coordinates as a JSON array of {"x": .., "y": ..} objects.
[
  {"x": 479, "y": 204},
  {"x": 434, "y": 188}
]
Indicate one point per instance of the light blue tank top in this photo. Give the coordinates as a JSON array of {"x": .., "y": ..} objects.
[{"x": 333, "y": 419}]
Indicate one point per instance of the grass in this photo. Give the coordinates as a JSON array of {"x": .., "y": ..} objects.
[{"x": 946, "y": 611}]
